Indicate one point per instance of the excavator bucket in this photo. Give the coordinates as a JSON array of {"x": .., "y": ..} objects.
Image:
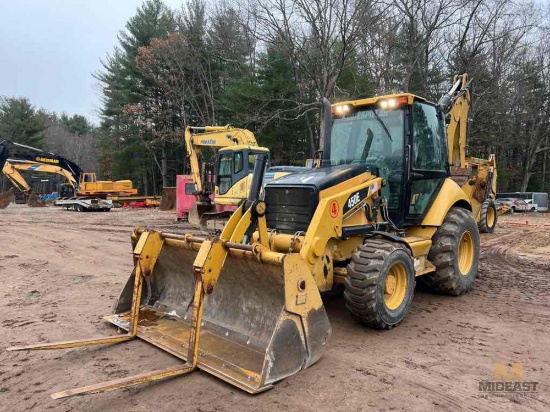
[
  {"x": 34, "y": 201},
  {"x": 197, "y": 210},
  {"x": 263, "y": 321},
  {"x": 6, "y": 198}
]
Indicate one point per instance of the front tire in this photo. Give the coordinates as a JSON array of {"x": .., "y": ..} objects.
[
  {"x": 487, "y": 217},
  {"x": 380, "y": 282},
  {"x": 455, "y": 254}
]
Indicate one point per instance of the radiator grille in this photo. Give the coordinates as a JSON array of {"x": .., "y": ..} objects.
[{"x": 290, "y": 209}]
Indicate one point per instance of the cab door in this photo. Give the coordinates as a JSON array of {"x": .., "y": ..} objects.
[{"x": 428, "y": 159}]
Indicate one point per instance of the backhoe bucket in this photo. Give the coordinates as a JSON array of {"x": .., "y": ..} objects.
[
  {"x": 6, "y": 198},
  {"x": 197, "y": 210},
  {"x": 263, "y": 321}
]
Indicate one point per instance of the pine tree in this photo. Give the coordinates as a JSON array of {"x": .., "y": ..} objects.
[{"x": 20, "y": 122}]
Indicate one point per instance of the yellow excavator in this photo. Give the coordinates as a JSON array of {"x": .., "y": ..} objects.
[
  {"x": 82, "y": 191},
  {"x": 10, "y": 169},
  {"x": 19, "y": 182},
  {"x": 380, "y": 211},
  {"x": 222, "y": 185}
]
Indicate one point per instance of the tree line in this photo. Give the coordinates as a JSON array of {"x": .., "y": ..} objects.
[
  {"x": 71, "y": 136},
  {"x": 265, "y": 65}
]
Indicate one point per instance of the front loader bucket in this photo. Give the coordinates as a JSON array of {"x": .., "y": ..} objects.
[
  {"x": 6, "y": 198},
  {"x": 263, "y": 321}
]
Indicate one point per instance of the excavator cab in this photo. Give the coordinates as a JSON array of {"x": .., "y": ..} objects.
[{"x": 235, "y": 169}]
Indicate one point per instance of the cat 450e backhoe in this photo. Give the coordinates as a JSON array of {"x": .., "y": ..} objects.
[{"x": 379, "y": 212}]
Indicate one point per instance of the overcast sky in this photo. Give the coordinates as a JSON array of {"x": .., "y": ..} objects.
[{"x": 50, "y": 48}]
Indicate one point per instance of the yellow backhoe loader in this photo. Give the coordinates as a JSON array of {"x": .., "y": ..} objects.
[
  {"x": 379, "y": 212},
  {"x": 233, "y": 168}
]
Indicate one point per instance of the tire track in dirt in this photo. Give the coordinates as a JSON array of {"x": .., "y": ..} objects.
[{"x": 61, "y": 276}]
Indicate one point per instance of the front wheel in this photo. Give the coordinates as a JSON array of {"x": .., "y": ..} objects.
[
  {"x": 380, "y": 282},
  {"x": 455, "y": 254}
]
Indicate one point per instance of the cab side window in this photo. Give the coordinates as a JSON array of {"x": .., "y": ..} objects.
[
  {"x": 239, "y": 163},
  {"x": 429, "y": 149},
  {"x": 251, "y": 162},
  {"x": 428, "y": 157}
]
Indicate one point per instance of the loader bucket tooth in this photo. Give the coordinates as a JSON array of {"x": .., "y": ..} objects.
[{"x": 263, "y": 321}]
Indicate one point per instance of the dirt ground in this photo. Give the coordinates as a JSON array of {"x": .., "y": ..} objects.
[{"x": 61, "y": 271}]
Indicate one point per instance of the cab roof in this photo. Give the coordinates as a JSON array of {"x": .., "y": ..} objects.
[
  {"x": 238, "y": 147},
  {"x": 374, "y": 100}
]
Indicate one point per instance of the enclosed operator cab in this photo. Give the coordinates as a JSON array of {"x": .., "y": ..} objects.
[
  {"x": 234, "y": 175},
  {"x": 400, "y": 138}
]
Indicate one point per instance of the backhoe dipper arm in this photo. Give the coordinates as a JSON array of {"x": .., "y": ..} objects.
[{"x": 456, "y": 105}]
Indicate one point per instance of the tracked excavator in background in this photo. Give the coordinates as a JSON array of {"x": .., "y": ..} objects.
[
  {"x": 221, "y": 185},
  {"x": 24, "y": 162},
  {"x": 381, "y": 211},
  {"x": 81, "y": 192},
  {"x": 19, "y": 182}
]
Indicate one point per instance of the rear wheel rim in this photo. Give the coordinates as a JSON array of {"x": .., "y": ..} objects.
[
  {"x": 395, "y": 286},
  {"x": 465, "y": 253},
  {"x": 490, "y": 217}
]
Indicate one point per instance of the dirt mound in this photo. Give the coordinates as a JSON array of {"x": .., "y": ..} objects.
[{"x": 6, "y": 198}]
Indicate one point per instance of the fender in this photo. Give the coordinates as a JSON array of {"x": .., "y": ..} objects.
[{"x": 450, "y": 194}]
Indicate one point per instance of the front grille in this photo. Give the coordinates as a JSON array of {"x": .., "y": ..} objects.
[{"x": 290, "y": 209}]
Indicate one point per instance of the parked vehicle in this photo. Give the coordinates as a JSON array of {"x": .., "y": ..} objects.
[
  {"x": 538, "y": 198},
  {"x": 519, "y": 205}
]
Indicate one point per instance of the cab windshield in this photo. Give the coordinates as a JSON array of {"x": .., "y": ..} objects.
[
  {"x": 361, "y": 138},
  {"x": 373, "y": 137}
]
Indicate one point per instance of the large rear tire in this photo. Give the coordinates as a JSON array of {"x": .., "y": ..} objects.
[
  {"x": 487, "y": 217},
  {"x": 380, "y": 283},
  {"x": 455, "y": 254}
]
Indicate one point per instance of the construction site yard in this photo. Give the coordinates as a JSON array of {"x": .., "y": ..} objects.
[{"x": 62, "y": 271}]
